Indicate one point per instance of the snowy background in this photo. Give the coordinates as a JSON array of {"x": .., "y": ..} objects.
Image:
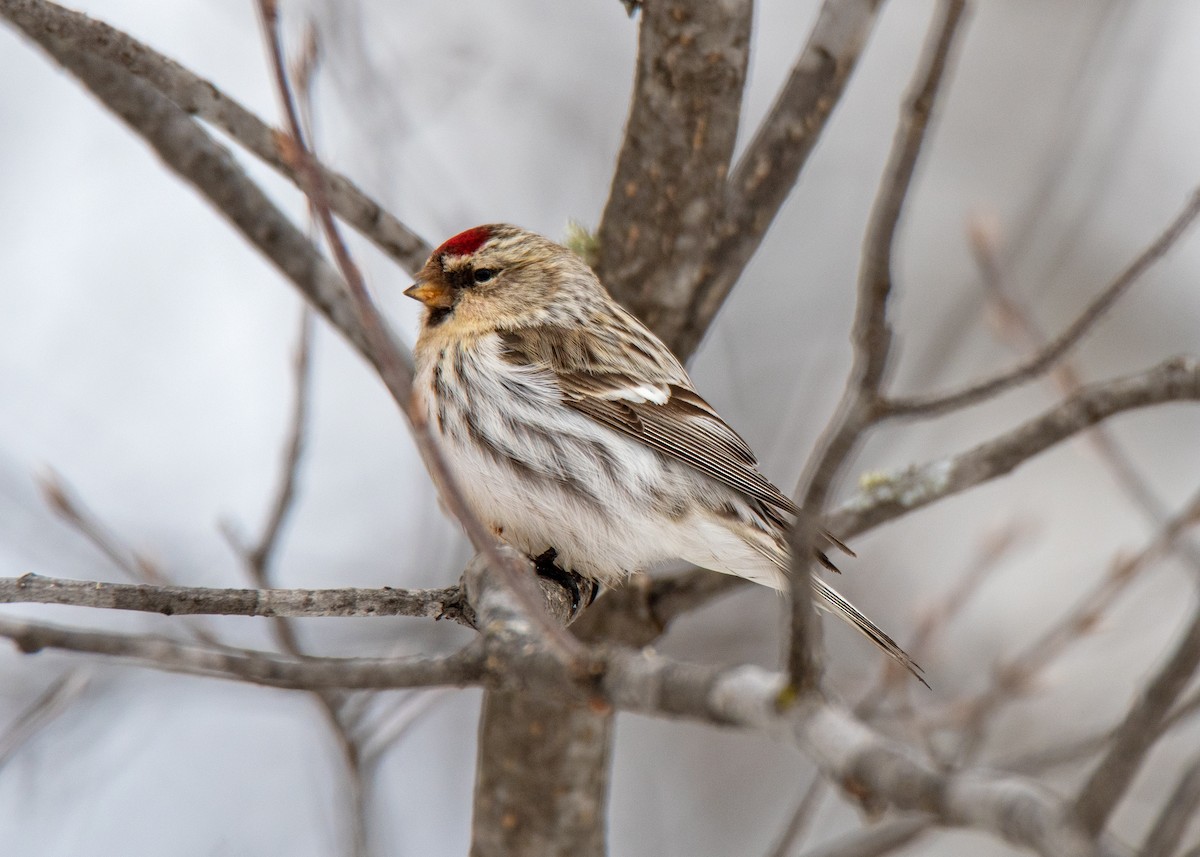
[{"x": 144, "y": 356}]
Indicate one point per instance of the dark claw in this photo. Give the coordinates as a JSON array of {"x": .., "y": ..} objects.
[{"x": 576, "y": 584}]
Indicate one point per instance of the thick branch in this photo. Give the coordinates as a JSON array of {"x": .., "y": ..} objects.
[
  {"x": 888, "y": 497},
  {"x": 511, "y": 654},
  {"x": 41, "y": 20},
  {"x": 764, "y": 176},
  {"x": 670, "y": 177}
]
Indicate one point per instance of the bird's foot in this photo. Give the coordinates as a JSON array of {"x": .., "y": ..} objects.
[{"x": 582, "y": 589}]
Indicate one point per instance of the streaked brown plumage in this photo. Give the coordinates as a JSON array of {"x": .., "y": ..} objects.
[{"x": 571, "y": 426}]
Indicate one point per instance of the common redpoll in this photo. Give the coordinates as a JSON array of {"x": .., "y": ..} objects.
[{"x": 570, "y": 426}]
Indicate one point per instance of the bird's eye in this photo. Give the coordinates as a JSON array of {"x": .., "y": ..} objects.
[{"x": 482, "y": 275}]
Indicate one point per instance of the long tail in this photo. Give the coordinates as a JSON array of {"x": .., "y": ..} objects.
[{"x": 830, "y": 599}]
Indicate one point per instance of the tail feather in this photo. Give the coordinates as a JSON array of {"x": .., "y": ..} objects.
[{"x": 831, "y": 600}]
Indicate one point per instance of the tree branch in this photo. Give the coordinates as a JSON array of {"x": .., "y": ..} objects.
[
  {"x": 462, "y": 668},
  {"x": 1139, "y": 731},
  {"x": 670, "y": 177},
  {"x": 885, "y": 497},
  {"x": 1177, "y": 813},
  {"x": 872, "y": 333},
  {"x": 1048, "y": 356},
  {"x": 41, "y": 20},
  {"x": 767, "y": 171},
  {"x": 511, "y": 653},
  {"x": 198, "y": 601}
]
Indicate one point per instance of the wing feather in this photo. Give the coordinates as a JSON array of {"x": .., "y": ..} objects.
[{"x": 660, "y": 410}]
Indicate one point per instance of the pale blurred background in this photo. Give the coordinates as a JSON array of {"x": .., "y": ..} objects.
[{"x": 144, "y": 355}]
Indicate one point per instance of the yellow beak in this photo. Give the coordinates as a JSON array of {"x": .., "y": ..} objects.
[{"x": 430, "y": 294}]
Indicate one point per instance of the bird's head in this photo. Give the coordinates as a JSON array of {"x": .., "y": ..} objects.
[{"x": 499, "y": 277}]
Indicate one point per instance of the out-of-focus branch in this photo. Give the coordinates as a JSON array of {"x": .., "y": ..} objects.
[
  {"x": 800, "y": 819},
  {"x": 261, "y": 556},
  {"x": 1139, "y": 731},
  {"x": 1177, "y": 813},
  {"x": 872, "y": 333},
  {"x": 767, "y": 171},
  {"x": 194, "y": 95},
  {"x": 1013, "y": 676},
  {"x": 49, "y": 704},
  {"x": 874, "y": 841},
  {"x": 459, "y": 669},
  {"x": 1016, "y": 322},
  {"x": 1048, "y": 356},
  {"x": 885, "y": 497},
  {"x": 670, "y": 178}
]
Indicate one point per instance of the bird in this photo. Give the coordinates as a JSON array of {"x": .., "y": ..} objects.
[{"x": 572, "y": 429}]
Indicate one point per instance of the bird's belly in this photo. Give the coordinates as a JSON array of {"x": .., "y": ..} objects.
[{"x": 582, "y": 494}]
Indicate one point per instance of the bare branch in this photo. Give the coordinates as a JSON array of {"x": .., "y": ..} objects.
[
  {"x": 800, "y": 819},
  {"x": 872, "y": 333},
  {"x": 670, "y": 178},
  {"x": 74, "y": 31},
  {"x": 195, "y": 600},
  {"x": 1018, "y": 323},
  {"x": 511, "y": 653},
  {"x": 877, "y": 770},
  {"x": 876, "y": 840},
  {"x": 766, "y": 173},
  {"x": 394, "y": 362},
  {"x": 460, "y": 669},
  {"x": 49, "y": 704},
  {"x": 1055, "y": 350},
  {"x": 886, "y": 497},
  {"x": 1015, "y": 675},
  {"x": 260, "y": 557},
  {"x": 1177, "y": 813},
  {"x": 1141, "y": 729}
]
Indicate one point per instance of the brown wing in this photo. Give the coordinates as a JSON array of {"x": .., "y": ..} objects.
[{"x": 660, "y": 410}]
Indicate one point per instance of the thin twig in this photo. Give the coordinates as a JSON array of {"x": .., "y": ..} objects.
[
  {"x": 393, "y": 362},
  {"x": 199, "y": 97},
  {"x": 1046, "y": 358},
  {"x": 261, "y": 556},
  {"x": 459, "y": 669},
  {"x": 1014, "y": 676},
  {"x": 1016, "y": 321},
  {"x": 874, "y": 841},
  {"x": 799, "y": 821},
  {"x": 885, "y": 497},
  {"x": 64, "y": 500},
  {"x": 198, "y": 600},
  {"x": 37, "y": 715},
  {"x": 1138, "y": 732},
  {"x": 1177, "y": 813},
  {"x": 872, "y": 333},
  {"x": 259, "y": 561}
]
